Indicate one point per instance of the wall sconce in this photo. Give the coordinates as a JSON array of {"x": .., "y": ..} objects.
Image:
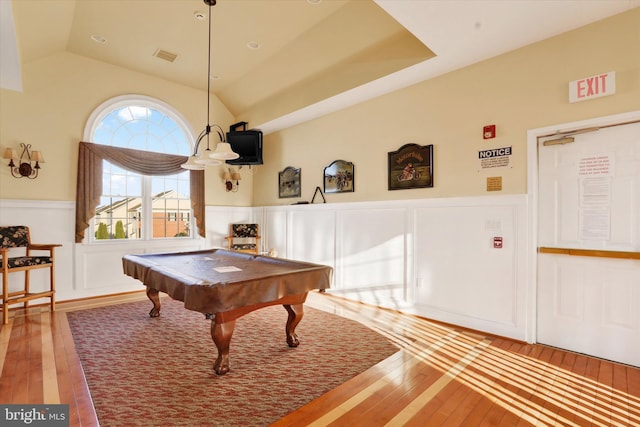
[
  {"x": 26, "y": 166},
  {"x": 229, "y": 177}
]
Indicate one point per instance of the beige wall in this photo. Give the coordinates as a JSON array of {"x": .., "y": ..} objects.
[
  {"x": 59, "y": 94},
  {"x": 518, "y": 91},
  {"x": 522, "y": 90}
]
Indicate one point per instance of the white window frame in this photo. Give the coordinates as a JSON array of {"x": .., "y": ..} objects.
[{"x": 92, "y": 124}]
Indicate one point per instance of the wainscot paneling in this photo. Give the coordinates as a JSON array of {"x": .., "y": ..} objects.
[
  {"x": 274, "y": 231},
  {"x": 467, "y": 265},
  {"x": 433, "y": 257},
  {"x": 48, "y": 222},
  {"x": 312, "y": 235},
  {"x": 99, "y": 265},
  {"x": 82, "y": 270},
  {"x": 300, "y": 232},
  {"x": 371, "y": 252},
  {"x": 218, "y": 219}
]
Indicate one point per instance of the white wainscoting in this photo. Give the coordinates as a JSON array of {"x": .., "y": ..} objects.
[
  {"x": 460, "y": 277},
  {"x": 82, "y": 270},
  {"x": 99, "y": 266},
  {"x": 48, "y": 222},
  {"x": 218, "y": 219},
  {"x": 432, "y": 257}
]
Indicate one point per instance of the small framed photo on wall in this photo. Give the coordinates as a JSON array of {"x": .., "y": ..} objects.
[
  {"x": 339, "y": 177},
  {"x": 289, "y": 183},
  {"x": 411, "y": 166}
]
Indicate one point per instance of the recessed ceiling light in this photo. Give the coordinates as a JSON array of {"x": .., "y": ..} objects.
[
  {"x": 314, "y": 1},
  {"x": 98, "y": 38},
  {"x": 253, "y": 45},
  {"x": 199, "y": 15},
  {"x": 214, "y": 77}
]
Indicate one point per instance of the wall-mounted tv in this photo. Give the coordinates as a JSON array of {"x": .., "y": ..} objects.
[{"x": 248, "y": 144}]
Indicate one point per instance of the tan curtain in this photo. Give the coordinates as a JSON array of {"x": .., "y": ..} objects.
[{"x": 89, "y": 185}]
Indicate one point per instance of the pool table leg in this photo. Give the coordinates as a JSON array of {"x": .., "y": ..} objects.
[
  {"x": 153, "y": 295},
  {"x": 295, "y": 316},
  {"x": 221, "y": 334}
]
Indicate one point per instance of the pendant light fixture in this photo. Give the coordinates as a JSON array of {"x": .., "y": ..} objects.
[{"x": 223, "y": 150}]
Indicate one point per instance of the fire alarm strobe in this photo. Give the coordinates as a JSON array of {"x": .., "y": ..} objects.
[{"x": 489, "y": 132}]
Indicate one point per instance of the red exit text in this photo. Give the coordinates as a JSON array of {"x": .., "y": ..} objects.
[{"x": 592, "y": 87}]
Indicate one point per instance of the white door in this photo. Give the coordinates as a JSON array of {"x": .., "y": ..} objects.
[{"x": 589, "y": 243}]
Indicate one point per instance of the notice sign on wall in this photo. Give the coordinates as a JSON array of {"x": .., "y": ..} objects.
[{"x": 495, "y": 157}]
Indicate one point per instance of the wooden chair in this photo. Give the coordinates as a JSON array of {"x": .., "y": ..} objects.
[
  {"x": 244, "y": 238},
  {"x": 16, "y": 238}
]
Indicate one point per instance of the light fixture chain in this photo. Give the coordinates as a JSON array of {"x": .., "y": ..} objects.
[
  {"x": 208, "y": 130},
  {"x": 223, "y": 150}
]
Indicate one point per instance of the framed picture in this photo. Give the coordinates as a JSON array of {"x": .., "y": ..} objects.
[
  {"x": 339, "y": 177},
  {"x": 289, "y": 182},
  {"x": 411, "y": 167}
]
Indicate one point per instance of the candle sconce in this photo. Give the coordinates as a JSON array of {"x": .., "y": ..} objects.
[
  {"x": 229, "y": 177},
  {"x": 28, "y": 164}
]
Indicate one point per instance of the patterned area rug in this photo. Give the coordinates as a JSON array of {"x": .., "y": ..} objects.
[{"x": 146, "y": 372}]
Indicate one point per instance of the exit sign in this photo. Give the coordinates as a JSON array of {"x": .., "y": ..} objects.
[{"x": 592, "y": 87}]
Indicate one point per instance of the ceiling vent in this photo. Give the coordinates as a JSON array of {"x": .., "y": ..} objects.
[{"x": 166, "y": 55}]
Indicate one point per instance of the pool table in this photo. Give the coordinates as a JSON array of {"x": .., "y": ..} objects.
[{"x": 225, "y": 285}]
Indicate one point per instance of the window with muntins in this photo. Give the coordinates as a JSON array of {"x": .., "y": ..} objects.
[{"x": 135, "y": 206}]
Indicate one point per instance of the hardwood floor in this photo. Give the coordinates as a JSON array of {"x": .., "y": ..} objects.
[{"x": 441, "y": 376}]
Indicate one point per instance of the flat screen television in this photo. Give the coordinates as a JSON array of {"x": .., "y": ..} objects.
[{"x": 248, "y": 144}]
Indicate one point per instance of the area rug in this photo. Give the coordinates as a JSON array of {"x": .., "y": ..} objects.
[{"x": 158, "y": 371}]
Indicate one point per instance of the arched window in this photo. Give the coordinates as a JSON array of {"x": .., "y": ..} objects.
[{"x": 132, "y": 205}]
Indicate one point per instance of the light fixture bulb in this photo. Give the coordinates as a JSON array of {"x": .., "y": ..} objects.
[
  {"x": 37, "y": 156},
  {"x": 224, "y": 152},
  {"x": 10, "y": 153},
  {"x": 207, "y": 160},
  {"x": 192, "y": 165}
]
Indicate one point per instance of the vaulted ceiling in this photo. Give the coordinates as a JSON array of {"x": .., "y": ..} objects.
[{"x": 279, "y": 62}]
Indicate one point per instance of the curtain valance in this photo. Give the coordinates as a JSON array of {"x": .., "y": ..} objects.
[{"x": 89, "y": 184}]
